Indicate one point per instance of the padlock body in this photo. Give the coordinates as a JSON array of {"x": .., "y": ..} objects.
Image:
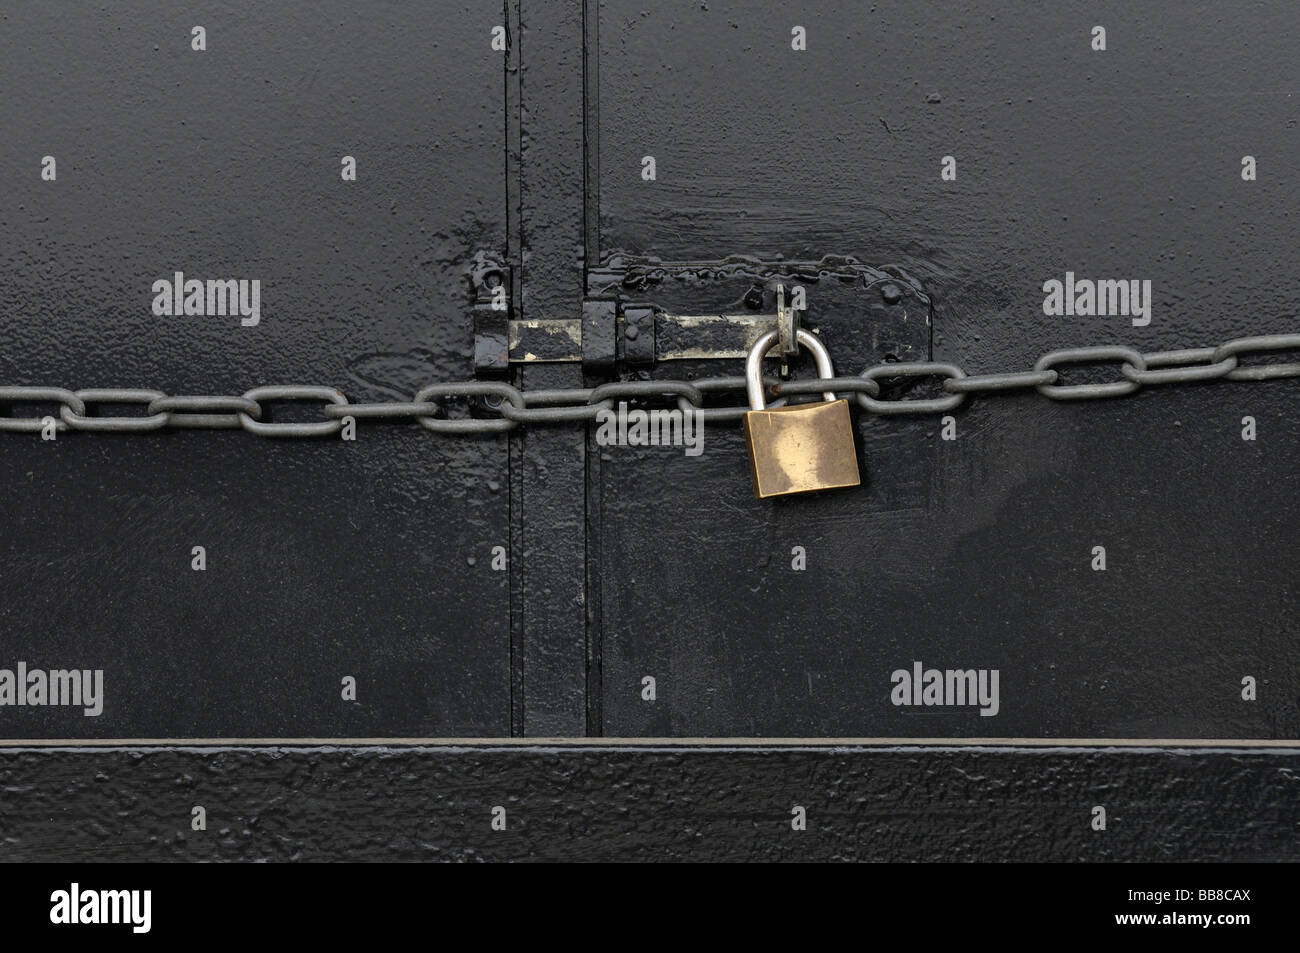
[{"x": 802, "y": 447}]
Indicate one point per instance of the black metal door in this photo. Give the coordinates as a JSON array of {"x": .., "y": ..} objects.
[
  {"x": 922, "y": 174},
  {"x": 421, "y": 565}
]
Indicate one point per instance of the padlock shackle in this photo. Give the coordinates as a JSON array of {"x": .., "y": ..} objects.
[{"x": 754, "y": 364}]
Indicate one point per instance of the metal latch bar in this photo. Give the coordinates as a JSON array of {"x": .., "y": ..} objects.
[{"x": 677, "y": 337}]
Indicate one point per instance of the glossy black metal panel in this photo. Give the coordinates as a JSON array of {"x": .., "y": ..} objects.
[
  {"x": 976, "y": 552},
  {"x": 369, "y": 559}
]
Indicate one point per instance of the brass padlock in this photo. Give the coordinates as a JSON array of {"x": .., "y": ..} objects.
[{"x": 800, "y": 447}]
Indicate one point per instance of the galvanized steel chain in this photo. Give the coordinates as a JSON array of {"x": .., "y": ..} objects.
[{"x": 507, "y": 407}]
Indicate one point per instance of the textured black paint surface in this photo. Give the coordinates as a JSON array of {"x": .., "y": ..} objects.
[
  {"x": 551, "y": 461},
  {"x": 325, "y": 559},
  {"x": 608, "y": 803},
  {"x": 974, "y": 553}
]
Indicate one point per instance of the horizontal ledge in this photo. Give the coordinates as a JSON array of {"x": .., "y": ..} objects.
[{"x": 560, "y": 742}]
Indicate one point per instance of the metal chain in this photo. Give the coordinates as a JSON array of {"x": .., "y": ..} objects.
[{"x": 507, "y": 407}]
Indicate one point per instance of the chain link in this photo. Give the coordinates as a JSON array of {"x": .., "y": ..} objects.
[
  {"x": 497, "y": 407},
  {"x": 936, "y": 405},
  {"x": 77, "y": 420},
  {"x": 187, "y": 411},
  {"x": 268, "y": 428},
  {"x": 29, "y": 395}
]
